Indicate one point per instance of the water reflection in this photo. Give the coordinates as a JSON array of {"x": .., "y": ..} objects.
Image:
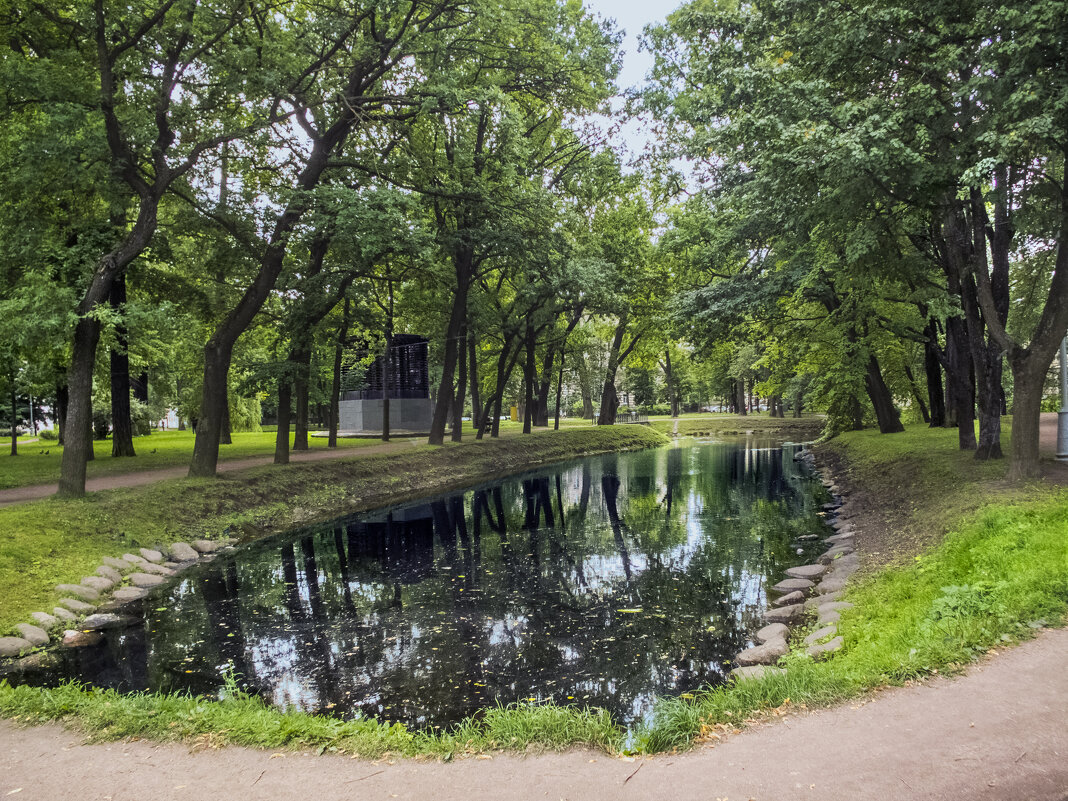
[{"x": 607, "y": 582}]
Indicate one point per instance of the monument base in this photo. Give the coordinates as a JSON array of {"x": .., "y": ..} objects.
[{"x": 405, "y": 414}]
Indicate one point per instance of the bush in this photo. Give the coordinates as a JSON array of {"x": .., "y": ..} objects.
[{"x": 48, "y": 435}]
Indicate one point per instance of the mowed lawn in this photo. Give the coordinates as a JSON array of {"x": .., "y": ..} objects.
[{"x": 38, "y": 462}]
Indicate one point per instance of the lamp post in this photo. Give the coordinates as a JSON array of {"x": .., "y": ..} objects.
[{"x": 1062, "y": 415}]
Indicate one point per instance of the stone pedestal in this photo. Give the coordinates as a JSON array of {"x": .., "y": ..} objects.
[{"x": 405, "y": 414}]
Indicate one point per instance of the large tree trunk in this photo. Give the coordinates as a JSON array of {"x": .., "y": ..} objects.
[
  {"x": 585, "y": 388},
  {"x": 881, "y": 399},
  {"x": 217, "y": 354},
  {"x": 121, "y": 423},
  {"x": 1026, "y": 414},
  {"x": 76, "y": 451},
  {"x": 78, "y": 443},
  {"x": 285, "y": 402},
  {"x": 740, "y": 405},
  {"x": 226, "y": 434}
]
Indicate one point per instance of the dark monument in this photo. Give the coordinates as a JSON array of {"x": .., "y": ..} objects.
[{"x": 410, "y": 408}]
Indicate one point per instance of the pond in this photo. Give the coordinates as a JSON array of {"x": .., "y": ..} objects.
[{"x": 607, "y": 581}]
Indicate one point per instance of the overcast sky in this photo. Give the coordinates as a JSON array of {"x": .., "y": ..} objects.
[{"x": 632, "y": 16}]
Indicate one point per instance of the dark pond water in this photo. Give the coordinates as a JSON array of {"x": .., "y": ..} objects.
[{"x": 608, "y": 581}]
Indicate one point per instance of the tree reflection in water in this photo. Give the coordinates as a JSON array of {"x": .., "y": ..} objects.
[{"x": 606, "y": 582}]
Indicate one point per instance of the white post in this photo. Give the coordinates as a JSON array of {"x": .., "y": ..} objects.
[{"x": 1062, "y": 415}]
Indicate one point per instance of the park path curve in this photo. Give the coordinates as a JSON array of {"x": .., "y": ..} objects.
[
  {"x": 997, "y": 733},
  {"x": 139, "y": 478}
]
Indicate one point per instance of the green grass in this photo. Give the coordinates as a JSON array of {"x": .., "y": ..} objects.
[
  {"x": 724, "y": 424},
  {"x": 157, "y": 450},
  {"x": 1000, "y": 573},
  {"x": 54, "y": 541},
  {"x": 240, "y": 720},
  {"x": 991, "y": 582},
  {"x": 38, "y": 462}
]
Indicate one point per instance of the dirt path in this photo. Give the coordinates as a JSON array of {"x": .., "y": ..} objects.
[
  {"x": 996, "y": 734},
  {"x": 137, "y": 479}
]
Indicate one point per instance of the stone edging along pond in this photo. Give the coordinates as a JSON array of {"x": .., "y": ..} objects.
[
  {"x": 809, "y": 590},
  {"x": 98, "y": 602}
]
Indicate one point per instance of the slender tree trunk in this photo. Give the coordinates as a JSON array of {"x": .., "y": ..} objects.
[
  {"x": 798, "y": 400},
  {"x": 121, "y": 424},
  {"x": 531, "y": 376},
  {"x": 669, "y": 375},
  {"x": 285, "y": 402},
  {"x": 916, "y": 394},
  {"x": 559, "y": 393},
  {"x": 14, "y": 419},
  {"x": 933, "y": 371},
  {"x": 609, "y": 398},
  {"x": 461, "y": 388},
  {"x": 959, "y": 364},
  {"x": 505, "y": 364},
  {"x": 990, "y": 353},
  {"x": 335, "y": 387},
  {"x": 61, "y": 412},
  {"x": 457, "y": 318},
  {"x": 472, "y": 372},
  {"x": 302, "y": 360}
]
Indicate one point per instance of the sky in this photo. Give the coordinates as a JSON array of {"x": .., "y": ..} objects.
[{"x": 632, "y": 16}]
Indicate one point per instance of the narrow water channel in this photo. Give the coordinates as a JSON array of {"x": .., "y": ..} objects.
[{"x": 607, "y": 581}]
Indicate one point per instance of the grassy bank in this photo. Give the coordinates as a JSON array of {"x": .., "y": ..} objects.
[
  {"x": 38, "y": 462},
  {"x": 722, "y": 424},
  {"x": 1000, "y": 573},
  {"x": 968, "y": 562},
  {"x": 52, "y": 541}
]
